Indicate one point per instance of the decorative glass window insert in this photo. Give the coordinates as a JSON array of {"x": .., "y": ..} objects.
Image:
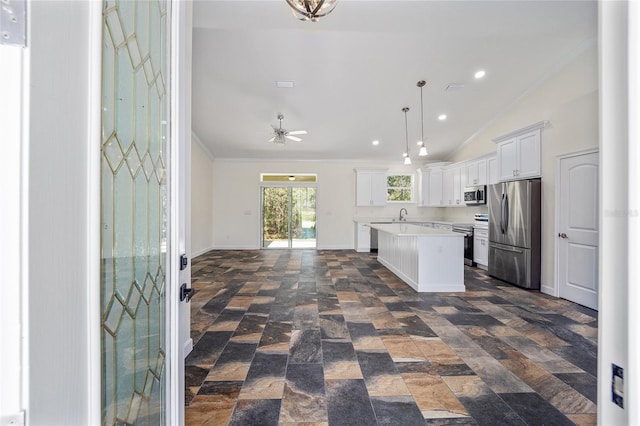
[{"x": 400, "y": 188}]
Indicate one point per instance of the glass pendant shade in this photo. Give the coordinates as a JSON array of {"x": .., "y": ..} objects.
[
  {"x": 311, "y": 10},
  {"x": 423, "y": 147},
  {"x": 407, "y": 159}
]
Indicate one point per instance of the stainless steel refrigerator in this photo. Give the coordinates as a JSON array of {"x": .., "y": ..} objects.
[{"x": 514, "y": 232}]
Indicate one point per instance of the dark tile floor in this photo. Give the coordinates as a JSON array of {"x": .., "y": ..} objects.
[{"x": 332, "y": 337}]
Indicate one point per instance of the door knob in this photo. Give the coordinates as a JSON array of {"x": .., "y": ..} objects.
[{"x": 562, "y": 235}]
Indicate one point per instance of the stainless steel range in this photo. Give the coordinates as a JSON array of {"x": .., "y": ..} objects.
[{"x": 467, "y": 230}]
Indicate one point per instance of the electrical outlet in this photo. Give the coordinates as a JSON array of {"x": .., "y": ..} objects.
[{"x": 617, "y": 385}]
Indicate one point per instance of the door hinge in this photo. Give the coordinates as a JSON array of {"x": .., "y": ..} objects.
[
  {"x": 13, "y": 22},
  {"x": 13, "y": 420}
]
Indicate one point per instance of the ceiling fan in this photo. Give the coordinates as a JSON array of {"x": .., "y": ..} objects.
[{"x": 281, "y": 135}]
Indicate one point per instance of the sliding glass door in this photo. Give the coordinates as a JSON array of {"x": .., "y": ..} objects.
[{"x": 288, "y": 217}]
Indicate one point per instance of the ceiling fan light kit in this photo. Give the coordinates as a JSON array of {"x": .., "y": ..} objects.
[
  {"x": 281, "y": 135},
  {"x": 311, "y": 10}
]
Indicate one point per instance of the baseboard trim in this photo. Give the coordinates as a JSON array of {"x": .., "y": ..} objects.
[
  {"x": 230, "y": 247},
  {"x": 548, "y": 290},
  {"x": 200, "y": 252},
  {"x": 188, "y": 347}
]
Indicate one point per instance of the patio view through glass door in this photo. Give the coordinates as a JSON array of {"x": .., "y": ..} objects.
[{"x": 288, "y": 217}]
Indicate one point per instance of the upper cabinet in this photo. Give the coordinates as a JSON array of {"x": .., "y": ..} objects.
[
  {"x": 371, "y": 187},
  {"x": 519, "y": 153},
  {"x": 432, "y": 177},
  {"x": 492, "y": 170},
  {"x": 453, "y": 184},
  {"x": 479, "y": 171}
]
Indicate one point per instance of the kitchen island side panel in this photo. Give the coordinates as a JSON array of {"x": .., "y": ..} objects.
[{"x": 427, "y": 264}]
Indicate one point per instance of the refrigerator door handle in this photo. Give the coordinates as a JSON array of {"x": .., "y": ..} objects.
[
  {"x": 507, "y": 248},
  {"x": 502, "y": 214},
  {"x": 505, "y": 212}
]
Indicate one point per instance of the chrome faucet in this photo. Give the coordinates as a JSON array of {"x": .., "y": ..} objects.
[{"x": 402, "y": 216}]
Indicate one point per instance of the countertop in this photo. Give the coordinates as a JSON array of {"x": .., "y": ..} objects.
[
  {"x": 394, "y": 220},
  {"x": 409, "y": 230}
]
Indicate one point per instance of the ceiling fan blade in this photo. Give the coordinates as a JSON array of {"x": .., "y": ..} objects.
[
  {"x": 298, "y": 132},
  {"x": 293, "y": 138},
  {"x": 272, "y": 139}
]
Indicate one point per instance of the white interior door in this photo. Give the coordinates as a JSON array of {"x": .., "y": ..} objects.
[{"x": 577, "y": 235}]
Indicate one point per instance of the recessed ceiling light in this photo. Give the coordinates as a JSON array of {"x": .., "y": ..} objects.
[
  {"x": 479, "y": 74},
  {"x": 285, "y": 84},
  {"x": 375, "y": 143},
  {"x": 442, "y": 117}
]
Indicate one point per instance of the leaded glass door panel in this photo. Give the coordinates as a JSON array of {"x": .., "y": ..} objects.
[{"x": 135, "y": 136}]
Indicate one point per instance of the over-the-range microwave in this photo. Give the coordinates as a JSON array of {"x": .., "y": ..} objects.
[{"x": 475, "y": 195}]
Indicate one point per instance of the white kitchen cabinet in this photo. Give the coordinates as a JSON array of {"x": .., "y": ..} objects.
[
  {"x": 476, "y": 172},
  {"x": 519, "y": 156},
  {"x": 454, "y": 180},
  {"x": 432, "y": 187},
  {"x": 481, "y": 247},
  {"x": 363, "y": 237},
  {"x": 371, "y": 187},
  {"x": 492, "y": 170},
  {"x": 447, "y": 186}
]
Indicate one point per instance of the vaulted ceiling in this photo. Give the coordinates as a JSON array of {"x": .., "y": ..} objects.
[{"x": 354, "y": 71}]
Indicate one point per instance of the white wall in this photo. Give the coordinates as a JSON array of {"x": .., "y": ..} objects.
[
  {"x": 201, "y": 199},
  {"x": 236, "y": 201},
  {"x": 569, "y": 101},
  {"x": 59, "y": 251}
]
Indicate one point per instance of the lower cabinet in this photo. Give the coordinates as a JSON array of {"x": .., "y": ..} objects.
[
  {"x": 481, "y": 247},
  {"x": 363, "y": 237}
]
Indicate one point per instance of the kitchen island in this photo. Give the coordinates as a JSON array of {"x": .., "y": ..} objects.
[{"x": 428, "y": 259}]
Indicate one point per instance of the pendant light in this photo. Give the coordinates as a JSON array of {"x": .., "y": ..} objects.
[
  {"x": 311, "y": 10},
  {"x": 423, "y": 148},
  {"x": 407, "y": 159}
]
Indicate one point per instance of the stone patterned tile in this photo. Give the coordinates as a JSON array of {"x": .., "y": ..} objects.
[
  {"x": 397, "y": 410},
  {"x": 264, "y": 412},
  {"x": 348, "y": 403},
  {"x": 304, "y": 337},
  {"x": 433, "y": 396}
]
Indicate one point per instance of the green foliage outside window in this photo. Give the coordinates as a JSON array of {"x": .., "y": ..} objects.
[{"x": 399, "y": 188}]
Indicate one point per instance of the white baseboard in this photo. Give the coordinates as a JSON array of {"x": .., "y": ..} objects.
[
  {"x": 335, "y": 247},
  {"x": 548, "y": 290},
  {"x": 200, "y": 252},
  {"x": 188, "y": 347},
  {"x": 233, "y": 247}
]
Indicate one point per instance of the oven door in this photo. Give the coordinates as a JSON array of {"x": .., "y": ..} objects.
[{"x": 468, "y": 246}]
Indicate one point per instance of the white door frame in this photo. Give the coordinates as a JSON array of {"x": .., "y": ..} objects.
[
  {"x": 556, "y": 268},
  {"x": 13, "y": 265}
]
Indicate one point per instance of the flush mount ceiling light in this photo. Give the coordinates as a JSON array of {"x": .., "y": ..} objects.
[
  {"x": 479, "y": 74},
  {"x": 442, "y": 117},
  {"x": 423, "y": 148},
  {"x": 311, "y": 10},
  {"x": 375, "y": 143},
  {"x": 407, "y": 159}
]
